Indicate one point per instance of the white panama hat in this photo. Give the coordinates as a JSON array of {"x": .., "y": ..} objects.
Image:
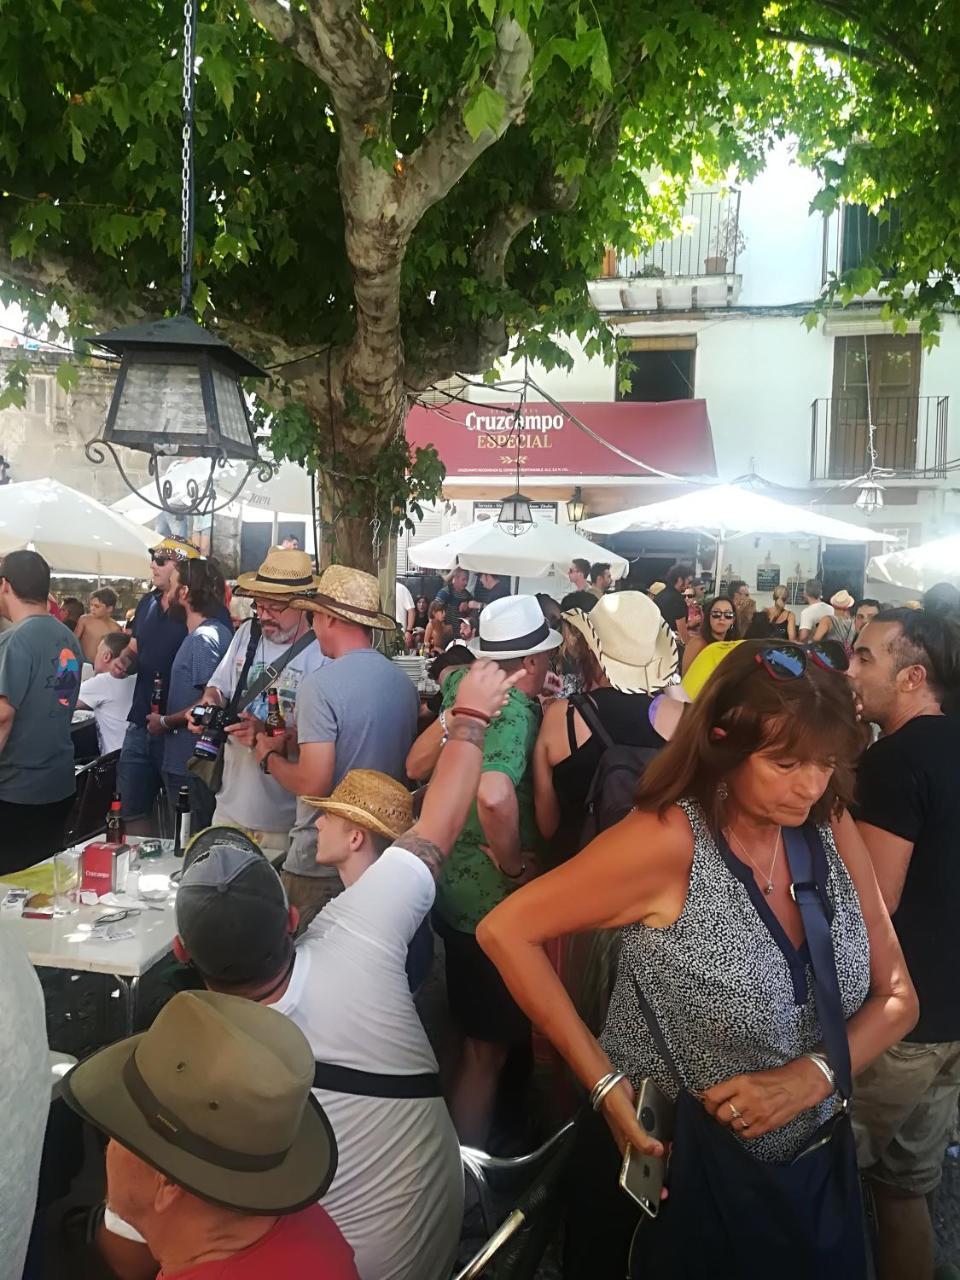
[{"x": 514, "y": 627}]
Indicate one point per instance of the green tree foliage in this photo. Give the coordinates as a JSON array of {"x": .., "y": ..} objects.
[{"x": 390, "y": 193}]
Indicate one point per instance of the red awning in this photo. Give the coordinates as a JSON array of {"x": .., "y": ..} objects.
[{"x": 481, "y": 439}]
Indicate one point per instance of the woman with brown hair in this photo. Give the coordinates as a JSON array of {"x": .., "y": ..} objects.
[
  {"x": 716, "y": 973},
  {"x": 719, "y": 624}
]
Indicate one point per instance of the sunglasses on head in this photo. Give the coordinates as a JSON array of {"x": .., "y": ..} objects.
[{"x": 789, "y": 661}]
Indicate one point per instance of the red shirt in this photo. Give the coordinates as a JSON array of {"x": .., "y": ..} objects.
[{"x": 301, "y": 1244}]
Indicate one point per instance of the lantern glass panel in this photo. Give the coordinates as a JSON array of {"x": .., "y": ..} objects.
[
  {"x": 163, "y": 399},
  {"x": 230, "y": 409}
]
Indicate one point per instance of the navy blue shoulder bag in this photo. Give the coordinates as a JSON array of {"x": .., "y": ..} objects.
[{"x": 731, "y": 1214}]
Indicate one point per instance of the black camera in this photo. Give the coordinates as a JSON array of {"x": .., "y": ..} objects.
[{"x": 213, "y": 722}]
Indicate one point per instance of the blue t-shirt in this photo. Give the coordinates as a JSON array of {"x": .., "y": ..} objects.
[
  {"x": 40, "y": 678},
  {"x": 197, "y": 659},
  {"x": 158, "y": 639}
]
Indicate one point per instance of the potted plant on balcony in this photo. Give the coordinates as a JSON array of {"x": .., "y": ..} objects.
[{"x": 730, "y": 243}]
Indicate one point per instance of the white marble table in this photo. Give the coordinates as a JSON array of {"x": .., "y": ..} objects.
[{"x": 63, "y": 942}]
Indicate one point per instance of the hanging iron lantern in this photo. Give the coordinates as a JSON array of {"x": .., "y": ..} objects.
[
  {"x": 178, "y": 393},
  {"x": 575, "y": 506},
  {"x": 515, "y": 515}
]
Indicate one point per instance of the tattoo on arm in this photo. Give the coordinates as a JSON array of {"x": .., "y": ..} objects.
[
  {"x": 421, "y": 848},
  {"x": 464, "y": 729}
]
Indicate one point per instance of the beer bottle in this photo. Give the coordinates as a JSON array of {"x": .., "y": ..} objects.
[
  {"x": 115, "y": 832},
  {"x": 157, "y": 695},
  {"x": 181, "y": 823},
  {"x": 276, "y": 727}
]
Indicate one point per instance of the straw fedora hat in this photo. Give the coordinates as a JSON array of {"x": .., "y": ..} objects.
[
  {"x": 842, "y": 600},
  {"x": 283, "y": 573},
  {"x": 514, "y": 627},
  {"x": 372, "y": 800},
  {"x": 350, "y": 594},
  {"x": 217, "y": 1097},
  {"x": 628, "y": 637}
]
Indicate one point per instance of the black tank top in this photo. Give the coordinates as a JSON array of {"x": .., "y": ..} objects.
[
  {"x": 626, "y": 718},
  {"x": 781, "y": 629}
]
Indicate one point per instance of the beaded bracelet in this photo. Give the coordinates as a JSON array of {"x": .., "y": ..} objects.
[{"x": 469, "y": 711}]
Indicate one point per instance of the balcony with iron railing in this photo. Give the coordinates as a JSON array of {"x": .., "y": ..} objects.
[
  {"x": 695, "y": 268},
  {"x": 910, "y": 436}
]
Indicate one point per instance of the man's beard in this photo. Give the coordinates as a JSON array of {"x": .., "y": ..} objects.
[
  {"x": 282, "y": 635},
  {"x": 176, "y": 612}
]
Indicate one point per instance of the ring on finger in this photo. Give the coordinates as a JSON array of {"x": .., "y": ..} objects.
[
  {"x": 744, "y": 1125},
  {"x": 737, "y": 1115}
]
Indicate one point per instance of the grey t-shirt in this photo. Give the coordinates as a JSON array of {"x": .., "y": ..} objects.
[
  {"x": 24, "y": 1100},
  {"x": 40, "y": 665},
  {"x": 368, "y": 707}
]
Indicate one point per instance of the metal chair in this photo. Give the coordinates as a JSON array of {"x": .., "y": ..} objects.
[{"x": 517, "y": 1244}]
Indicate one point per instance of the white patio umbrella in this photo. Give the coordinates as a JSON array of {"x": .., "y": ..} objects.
[
  {"x": 73, "y": 532},
  {"x": 919, "y": 568},
  {"x": 485, "y": 548},
  {"x": 288, "y": 491},
  {"x": 726, "y": 511}
]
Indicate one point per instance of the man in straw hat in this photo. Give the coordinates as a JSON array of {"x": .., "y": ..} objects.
[
  {"x": 248, "y": 797},
  {"x": 358, "y": 712},
  {"x": 156, "y": 635},
  {"x": 398, "y": 1195},
  {"x": 492, "y": 857},
  {"x": 218, "y": 1150}
]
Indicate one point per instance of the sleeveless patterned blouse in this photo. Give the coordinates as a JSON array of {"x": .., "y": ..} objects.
[{"x": 730, "y": 991}]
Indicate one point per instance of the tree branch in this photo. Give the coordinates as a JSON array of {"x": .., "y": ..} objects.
[
  {"x": 824, "y": 42},
  {"x": 472, "y": 351},
  {"x": 448, "y": 150},
  {"x": 850, "y": 13},
  {"x": 289, "y": 28}
]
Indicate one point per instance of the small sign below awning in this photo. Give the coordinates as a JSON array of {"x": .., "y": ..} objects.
[{"x": 484, "y": 439}]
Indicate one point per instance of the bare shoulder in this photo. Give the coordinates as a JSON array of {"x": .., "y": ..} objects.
[
  {"x": 429, "y": 853},
  {"x": 649, "y": 841}
]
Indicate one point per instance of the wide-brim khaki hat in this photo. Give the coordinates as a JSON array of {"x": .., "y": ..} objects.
[
  {"x": 217, "y": 1097},
  {"x": 372, "y": 800},
  {"x": 628, "y": 637},
  {"x": 842, "y": 600},
  {"x": 349, "y": 594},
  {"x": 285, "y": 572}
]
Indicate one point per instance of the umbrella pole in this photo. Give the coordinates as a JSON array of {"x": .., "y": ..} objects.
[{"x": 718, "y": 566}]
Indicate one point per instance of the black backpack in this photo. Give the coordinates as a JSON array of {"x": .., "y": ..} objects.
[{"x": 614, "y": 785}]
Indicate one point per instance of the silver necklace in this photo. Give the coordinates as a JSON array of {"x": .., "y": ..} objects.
[{"x": 768, "y": 877}]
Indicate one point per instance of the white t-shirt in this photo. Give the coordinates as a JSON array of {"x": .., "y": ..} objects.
[
  {"x": 248, "y": 796},
  {"x": 398, "y": 1191},
  {"x": 109, "y": 698},
  {"x": 24, "y": 1099},
  {"x": 811, "y": 615},
  {"x": 404, "y": 602}
]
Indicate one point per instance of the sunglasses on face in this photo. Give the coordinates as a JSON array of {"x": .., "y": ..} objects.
[
  {"x": 728, "y": 617},
  {"x": 161, "y": 558},
  {"x": 789, "y": 661}
]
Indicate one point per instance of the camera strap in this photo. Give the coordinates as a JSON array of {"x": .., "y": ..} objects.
[
  {"x": 234, "y": 704},
  {"x": 269, "y": 674}
]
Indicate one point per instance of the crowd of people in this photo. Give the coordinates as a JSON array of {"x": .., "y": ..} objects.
[{"x": 658, "y": 838}]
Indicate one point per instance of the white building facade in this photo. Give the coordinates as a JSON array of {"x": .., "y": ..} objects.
[{"x": 717, "y": 316}]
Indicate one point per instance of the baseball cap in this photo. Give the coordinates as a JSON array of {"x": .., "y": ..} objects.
[{"x": 232, "y": 910}]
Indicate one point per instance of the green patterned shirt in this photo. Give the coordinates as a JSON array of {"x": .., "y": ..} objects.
[{"x": 470, "y": 885}]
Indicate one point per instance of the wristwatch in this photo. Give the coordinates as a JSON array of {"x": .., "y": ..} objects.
[{"x": 265, "y": 762}]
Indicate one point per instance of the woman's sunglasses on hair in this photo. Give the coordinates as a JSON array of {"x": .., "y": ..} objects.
[{"x": 789, "y": 661}]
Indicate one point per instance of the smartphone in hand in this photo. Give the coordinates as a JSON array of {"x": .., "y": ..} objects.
[{"x": 641, "y": 1176}]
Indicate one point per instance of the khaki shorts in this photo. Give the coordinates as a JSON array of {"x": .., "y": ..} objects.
[
  {"x": 904, "y": 1112},
  {"x": 271, "y": 841}
]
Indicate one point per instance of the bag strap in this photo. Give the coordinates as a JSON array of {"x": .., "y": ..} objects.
[
  {"x": 252, "y": 642},
  {"x": 269, "y": 675},
  {"x": 656, "y": 1035},
  {"x": 591, "y": 716},
  {"x": 369, "y": 1084},
  {"x": 800, "y": 844}
]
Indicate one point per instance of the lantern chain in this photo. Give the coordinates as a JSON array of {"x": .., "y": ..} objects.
[{"x": 187, "y": 200}]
